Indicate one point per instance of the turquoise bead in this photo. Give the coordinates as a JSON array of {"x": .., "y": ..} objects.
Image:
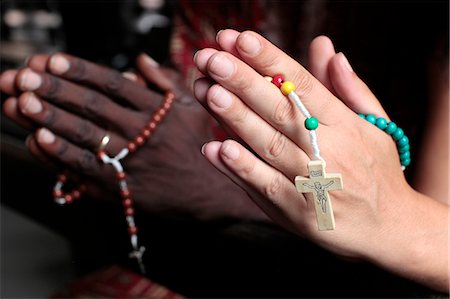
[
  {"x": 311, "y": 123},
  {"x": 404, "y": 149},
  {"x": 371, "y": 118},
  {"x": 405, "y": 155},
  {"x": 390, "y": 128},
  {"x": 402, "y": 141},
  {"x": 362, "y": 116},
  {"x": 398, "y": 134},
  {"x": 405, "y": 162},
  {"x": 381, "y": 123}
]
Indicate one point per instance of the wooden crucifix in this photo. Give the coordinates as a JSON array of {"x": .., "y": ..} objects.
[{"x": 320, "y": 183}]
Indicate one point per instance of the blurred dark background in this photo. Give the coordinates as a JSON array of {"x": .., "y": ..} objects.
[{"x": 390, "y": 44}]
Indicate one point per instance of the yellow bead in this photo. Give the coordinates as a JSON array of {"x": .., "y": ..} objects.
[{"x": 287, "y": 87}]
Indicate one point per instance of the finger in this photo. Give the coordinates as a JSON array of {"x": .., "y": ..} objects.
[
  {"x": 37, "y": 152},
  {"x": 11, "y": 110},
  {"x": 38, "y": 62},
  {"x": 227, "y": 40},
  {"x": 77, "y": 130},
  {"x": 321, "y": 50},
  {"x": 262, "y": 97},
  {"x": 271, "y": 145},
  {"x": 83, "y": 101},
  {"x": 201, "y": 58},
  {"x": 150, "y": 70},
  {"x": 273, "y": 192},
  {"x": 107, "y": 80},
  {"x": 81, "y": 160},
  {"x": 351, "y": 89},
  {"x": 269, "y": 60},
  {"x": 8, "y": 82}
]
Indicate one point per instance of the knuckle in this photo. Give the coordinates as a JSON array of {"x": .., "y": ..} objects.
[
  {"x": 86, "y": 161},
  {"x": 62, "y": 149},
  {"x": 50, "y": 118},
  {"x": 91, "y": 103},
  {"x": 113, "y": 82},
  {"x": 51, "y": 87},
  {"x": 78, "y": 70},
  {"x": 247, "y": 169},
  {"x": 274, "y": 186},
  {"x": 284, "y": 113},
  {"x": 84, "y": 133},
  {"x": 304, "y": 83},
  {"x": 276, "y": 146}
]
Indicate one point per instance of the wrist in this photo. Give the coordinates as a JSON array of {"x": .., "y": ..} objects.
[{"x": 413, "y": 241}]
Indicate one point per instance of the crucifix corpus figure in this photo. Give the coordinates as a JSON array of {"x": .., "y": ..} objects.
[{"x": 320, "y": 183}]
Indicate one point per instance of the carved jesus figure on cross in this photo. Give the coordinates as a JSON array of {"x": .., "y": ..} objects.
[{"x": 319, "y": 183}]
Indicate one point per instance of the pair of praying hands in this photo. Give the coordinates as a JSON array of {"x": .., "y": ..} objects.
[{"x": 376, "y": 212}]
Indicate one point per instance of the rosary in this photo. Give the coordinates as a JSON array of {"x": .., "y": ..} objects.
[
  {"x": 319, "y": 182},
  {"x": 62, "y": 197}
]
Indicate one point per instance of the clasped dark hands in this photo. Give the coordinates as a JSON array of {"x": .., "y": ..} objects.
[{"x": 70, "y": 104}]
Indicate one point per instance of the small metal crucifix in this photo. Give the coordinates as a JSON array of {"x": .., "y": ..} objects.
[{"x": 320, "y": 183}]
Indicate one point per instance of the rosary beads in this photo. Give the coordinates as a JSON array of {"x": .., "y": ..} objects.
[
  {"x": 61, "y": 197},
  {"x": 396, "y": 133},
  {"x": 319, "y": 182}
]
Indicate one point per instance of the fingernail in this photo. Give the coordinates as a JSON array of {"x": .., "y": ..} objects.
[
  {"x": 217, "y": 36},
  {"x": 30, "y": 80},
  {"x": 201, "y": 88},
  {"x": 221, "y": 98},
  {"x": 221, "y": 66},
  {"x": 45, "y": 136},
  {"x": 32, "y": 105},
  {"x": 345, "y": 63},
  {"x": 249, "y": 44},
  {"x": 231, "y": 151},
  {"x": 150, "y": 61},
  {"x": 203, "y": 149},
  {"x": 130, "y": 76},
  {"x": 59, "y": 64}
]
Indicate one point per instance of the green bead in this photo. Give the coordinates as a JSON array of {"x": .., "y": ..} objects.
[
  {"x": 402, "y": 141},
  {"x": 311, "y": 123},
  {"x": 371, "y": 118},
  {"x": 362, "y": 116},
  {"x": 381, "y": 123},
  {"x": 405, "y": 155},
  {"x": 390, "y": 128},
  {"x": 398, "y": 134},
  {"x": 406, "y": 162},
  {"x": 404, "y": 149}
]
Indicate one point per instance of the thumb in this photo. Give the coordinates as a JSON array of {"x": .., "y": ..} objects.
[{"x": 351, "y": 89}]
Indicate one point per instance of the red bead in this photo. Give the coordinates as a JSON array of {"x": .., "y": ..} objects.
[
  {"x": 127, "y": 202},
  {"x": 131, "y": 147},
  {"x": 132, "y": 230},
  {"x": 278, "y": 80},
  {"x": 162, "y": 112},
  {"x": 146, "y": 133},
  {"x": 152, "y": 126},
  {"x": 62, "y": 178},
  {"x": 57, "y": 193},
  {"x": 121, "y": 175},
  {"x": 157, "y": 118},
  {"x": 99, "y": 155},
  {"x": 167, "y": 106},
  {"x": 125, "y": 193},
  {"x": 129, "y": 212},
  {"x": 76, "y": 194},
  {"x": 68, "y": 198},
  {"x": 139, "y": 140}
]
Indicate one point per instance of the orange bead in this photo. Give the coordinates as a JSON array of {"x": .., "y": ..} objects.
[
  {"x": 132, "y": 230},
  {"x": 139, "y": 140},
  {"x": 68, "y": 198},
  {"x": 57, "y": 193},
  {"x": 125, "y": 193},
  {"x": 146, "y": 133},
  {"x": 127, "y": 202},
  {"x": 162, "y": 112},
  {"x": 121, "y": 175},
  {"x": 131, "y": 147},
  {"x": 157, "y": 118},
  {"x": 152, "y": 125},
  {"x": 129, "y": 212}
]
